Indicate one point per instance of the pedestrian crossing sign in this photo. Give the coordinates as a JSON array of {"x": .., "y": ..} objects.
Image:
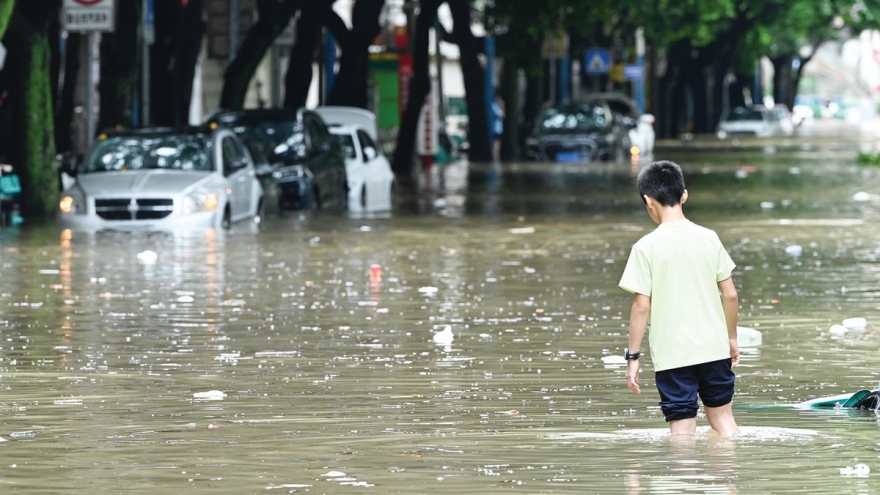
[{"x": 597, "y": 61}]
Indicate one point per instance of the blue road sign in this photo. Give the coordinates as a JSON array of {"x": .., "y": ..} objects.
[
  {"x": 597, "y": 61},
  {"x": 633, "y": 72}
]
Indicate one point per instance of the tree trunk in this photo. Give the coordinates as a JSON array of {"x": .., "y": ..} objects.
[
  {"x": 32, "y": 143},
  {"x": 299, "y": 75},
  {"x": 119, "y": 69},
  {"x": 784, "y": 82},
  {"x": 354, "y": 63},
  {"x": 65, "y": 101},
  {"x": 510, "y": 149},
  {"x": 419, "y": 87},
  {"x": 274, "y": 17},
  {"x": 191, "y": 30},
  {"x": 474, "y": 82}
]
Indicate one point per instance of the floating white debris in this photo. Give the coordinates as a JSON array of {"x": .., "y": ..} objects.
[
  {"x": 855, "y": 324},
  {"x": 861, "y": 196},
  {"x": 50, "y": 272},
  {"x": 613, "y": 359},
  {"x": 767, "y": 205},
  {"x": 522, "y": 230},
  {"x": 837, "y": 329},
  {"x": 794, "y": 250},
  {"x": 428, "y": 290},
  {"x": 210, "y": 395},
  {"x": 185, "y": 299},
  {"x": 748, "y": 337},
  {"x": 366, "y": 228},
  {"x": 333, "y": 474},
  {"x": 147, "y": 257},
  {"x": 857, "y": 470},
  {"x": 444, "y": 337}
]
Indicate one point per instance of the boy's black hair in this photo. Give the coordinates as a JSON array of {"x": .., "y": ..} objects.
[{"x": 662, "y": 181}]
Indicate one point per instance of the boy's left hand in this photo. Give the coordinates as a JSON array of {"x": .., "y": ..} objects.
[
  {"x": 734, "y": 353},
  {"x": 632, "y": 375}
]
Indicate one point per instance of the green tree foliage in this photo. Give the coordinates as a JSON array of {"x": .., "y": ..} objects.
[
  {"x": 6, "y": 7},
  {"x": 31, "y": 145}
]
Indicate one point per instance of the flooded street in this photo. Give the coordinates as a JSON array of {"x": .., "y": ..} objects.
[{"x": 282, "y": 359}]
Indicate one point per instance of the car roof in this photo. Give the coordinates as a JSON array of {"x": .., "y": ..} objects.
[
  {"x": 355, "y": 116},
  {"x": 156, "y": 131},
  {"x": 254, "y": 115}
]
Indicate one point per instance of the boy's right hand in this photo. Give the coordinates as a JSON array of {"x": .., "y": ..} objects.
[
  {"x": 632, "y": 375},
  {"x": 734, "y": 353}
]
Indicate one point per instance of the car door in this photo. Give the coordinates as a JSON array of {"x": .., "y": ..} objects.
[
  {"x": 377, "y": 174},
  {"x": 238, "y": 172}
]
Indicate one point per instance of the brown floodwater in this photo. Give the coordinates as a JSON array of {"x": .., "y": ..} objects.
[{"x": 299, "y": 357}]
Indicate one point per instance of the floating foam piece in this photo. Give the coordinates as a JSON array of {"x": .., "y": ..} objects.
[
  {"x": 210, "y": 395},
  {"x": 748, "y": 337},
  {"x": 855, "y": 324},
  {"x": 147, "y": 257},
  {"x": 838, "y": 329},
  {"x": 794, "y": 250},
  {"x": 444, "y": 337}
]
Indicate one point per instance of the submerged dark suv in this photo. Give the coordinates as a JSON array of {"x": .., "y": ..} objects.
[{"x": 302, "y": 156}]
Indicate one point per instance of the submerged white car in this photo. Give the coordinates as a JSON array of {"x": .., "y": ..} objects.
[
  {"x": 163, "y": 179},
  {"x": 370, "y": 179}
]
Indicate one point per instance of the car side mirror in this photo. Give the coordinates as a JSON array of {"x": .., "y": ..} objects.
[
  {"x": 68, "y": 165},
  {"x": 237, "y": 164},
  {"x": 370, "y": 153}
]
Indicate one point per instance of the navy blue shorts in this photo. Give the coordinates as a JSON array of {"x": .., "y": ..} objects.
[{"x": 679, "y": 388}]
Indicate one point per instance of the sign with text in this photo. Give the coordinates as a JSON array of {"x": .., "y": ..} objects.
[{"x": 89, "y": 15}]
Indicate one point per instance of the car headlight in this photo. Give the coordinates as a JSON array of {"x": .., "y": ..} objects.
[
  {"x": 199, "y": 201},
  {"x": 292, "y": 172},
  {"x": 72, "y": 204}
]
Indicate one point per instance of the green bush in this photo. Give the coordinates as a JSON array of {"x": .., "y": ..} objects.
[{"x": 872, "y": 158}]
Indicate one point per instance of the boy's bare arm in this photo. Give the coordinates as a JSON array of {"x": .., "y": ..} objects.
[
  {"x": 638, "y": 321},
  {"x": 730, "y": 304}
]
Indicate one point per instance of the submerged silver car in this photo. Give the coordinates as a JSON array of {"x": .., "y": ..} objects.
[{"x": 163, "y": 179}]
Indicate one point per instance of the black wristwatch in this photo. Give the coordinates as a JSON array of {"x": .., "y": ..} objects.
[{"x": 630, "y": 356}]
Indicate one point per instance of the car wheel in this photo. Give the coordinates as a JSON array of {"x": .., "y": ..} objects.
[{"x": 226, "y": 223}]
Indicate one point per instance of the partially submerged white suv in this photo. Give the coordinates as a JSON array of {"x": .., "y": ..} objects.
[{"x": 163, "y": 179}]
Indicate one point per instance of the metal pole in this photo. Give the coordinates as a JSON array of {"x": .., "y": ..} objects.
[
  {"x": 94, "y": 58},
  {"x": 438, "y": 33},
  {"x": 490, "y": 84},
  {"x": 552, "y": 63},
  {"x": 148, "y": 38},
  {"x": 640, "y": 82}
]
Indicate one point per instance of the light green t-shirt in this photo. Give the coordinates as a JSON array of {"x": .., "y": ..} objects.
[{"x": 678, "y": 266}]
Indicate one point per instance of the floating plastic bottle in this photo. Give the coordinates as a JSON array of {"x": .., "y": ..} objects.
[{"x": 22, "y": 434}]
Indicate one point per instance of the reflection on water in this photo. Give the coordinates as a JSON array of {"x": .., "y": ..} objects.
[{"x": 301, "y": 358}]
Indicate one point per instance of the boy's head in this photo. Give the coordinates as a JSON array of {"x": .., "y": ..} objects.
[{"x": 662, "y": 181}]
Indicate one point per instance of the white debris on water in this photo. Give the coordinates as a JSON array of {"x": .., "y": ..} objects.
[
  {"x": 210, "y": 395},
  {"x": 428, "y": 290},
  {"x": 794, "y": 250},
  {"x": 444, "y": 337},
  {"x": 859, "y": 470},
  {"x": 147, "y": 257},
  {"x": 861, "y": 196},
  {"x": 748, "y": 337},
  {"x": 855, "y": 324},
  {"x": 837, "y": 329}
]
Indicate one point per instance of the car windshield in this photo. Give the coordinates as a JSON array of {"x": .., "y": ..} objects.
[
  {"x": 347, "y": 143},
  {"x": 165, "y": 152},
  {"x": 573, "y": 118},
  {"x": 745, "y": 116},
  {"x": 282, "y": 141}
]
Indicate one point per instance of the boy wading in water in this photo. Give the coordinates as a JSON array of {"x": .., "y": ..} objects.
[{"x": 675, "y": 273}]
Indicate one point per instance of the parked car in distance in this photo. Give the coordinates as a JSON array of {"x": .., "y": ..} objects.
[
  {"x": 370, "y": 179},
  {"x": 578, "y": 132},
  {"x": 755, "y": 121},
  {"x": 641, "y": 132},
  {"x": 304, "y": 159},
  {"x": 163, "y": 179}
]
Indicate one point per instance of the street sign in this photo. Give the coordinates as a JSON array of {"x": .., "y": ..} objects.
[
  {"x": 89, "y": 15},
  {"x": 633, "y": 72},
  {"x": 597, "y": 61}
]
